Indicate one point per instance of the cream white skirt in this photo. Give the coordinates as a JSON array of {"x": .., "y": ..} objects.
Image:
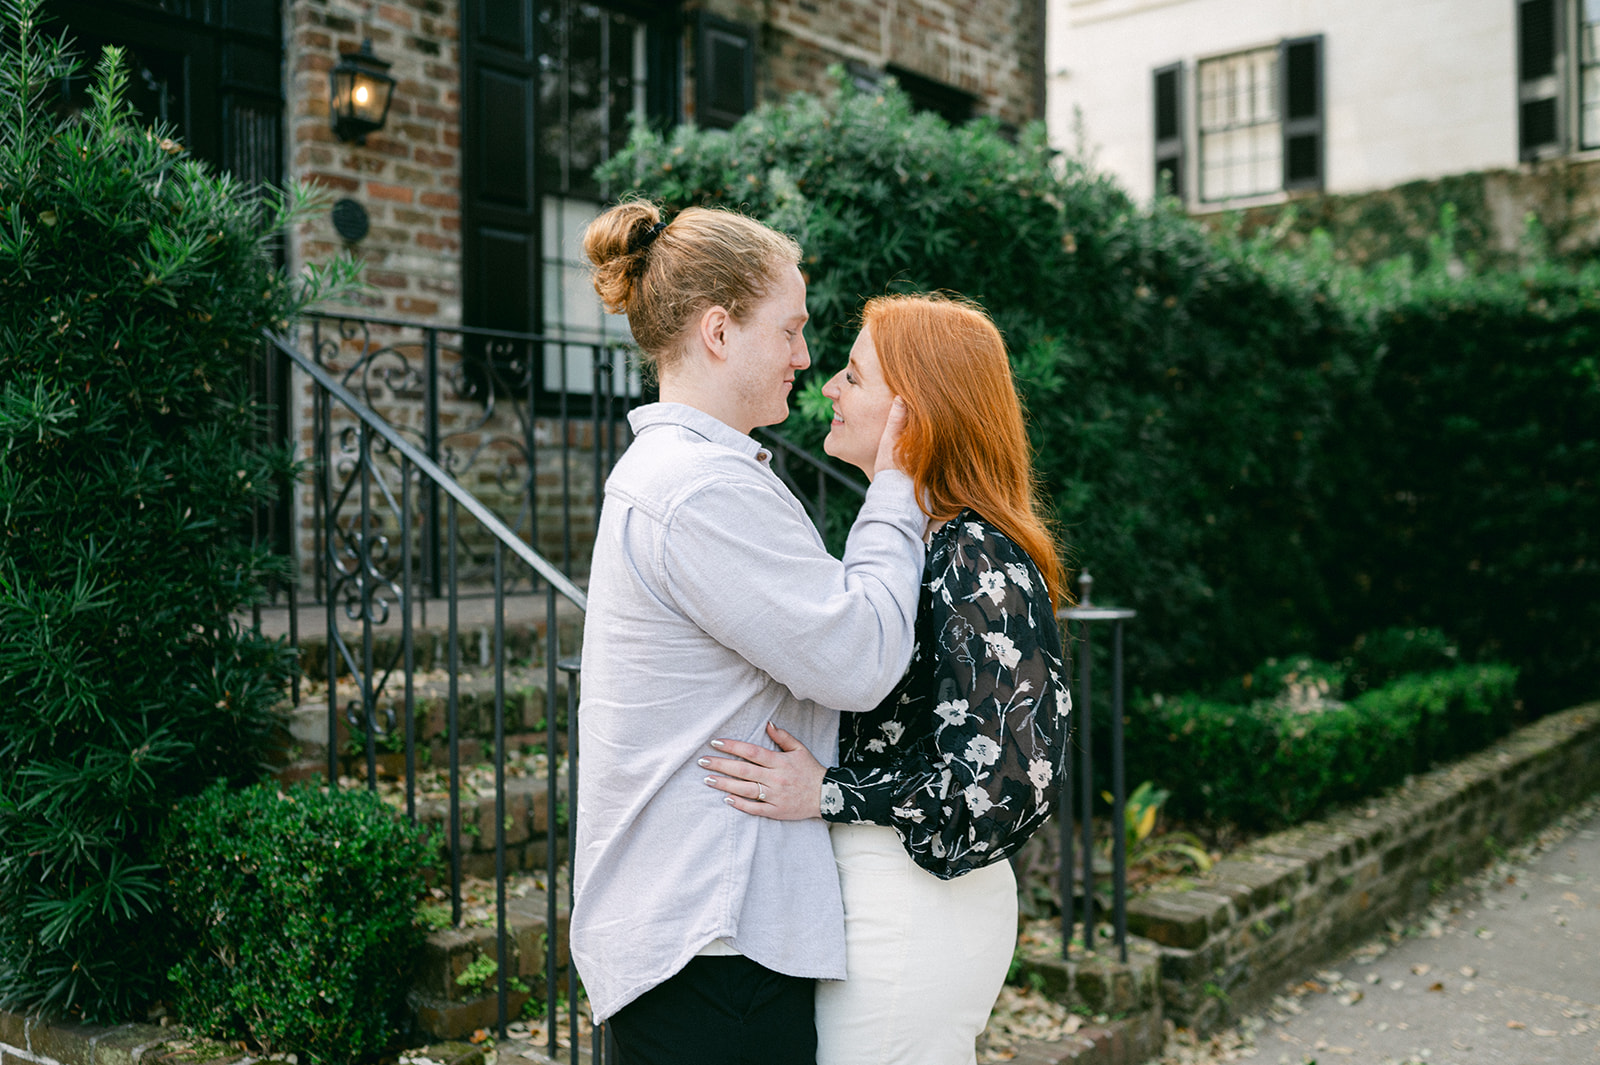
[{"x": 925, "y": 958}]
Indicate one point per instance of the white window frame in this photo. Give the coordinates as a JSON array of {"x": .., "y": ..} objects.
[
  {"x": 1239, "y": 125},
  {"x": 1587, "y": 53}
]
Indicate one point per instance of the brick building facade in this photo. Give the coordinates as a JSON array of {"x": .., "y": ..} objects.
[{"x": 421, "y": 188}]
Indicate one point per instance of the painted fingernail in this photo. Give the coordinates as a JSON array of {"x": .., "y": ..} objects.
[
  {"x": 704, "y": 763},
  {"x": 718, "y": 744},
  {"x": 712, "y": 781},
  {"x": 728, "y": 799}
]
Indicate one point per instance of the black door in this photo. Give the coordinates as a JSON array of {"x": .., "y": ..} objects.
[
  {"x": 547, "y": 90},
  {"x": 212, "y": 71}
]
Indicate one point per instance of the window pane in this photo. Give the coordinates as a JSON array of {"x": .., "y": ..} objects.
[
  {"x": 591, "y": 66},
  {"x": 571, "y": 308},
  {"x": 1241, "y": 149},
  {"x": 1591, "y": 107},
  {"x": 1589, "y": 78},
  {"x": 591, "y": 79}
]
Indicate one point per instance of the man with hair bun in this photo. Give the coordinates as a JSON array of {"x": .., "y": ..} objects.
[{"x": 716, "y": 611}]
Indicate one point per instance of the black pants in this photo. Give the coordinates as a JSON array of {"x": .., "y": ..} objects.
[{"x": 720, "y": 1010}]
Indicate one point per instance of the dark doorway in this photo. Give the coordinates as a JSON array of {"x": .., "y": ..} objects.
[{"x": 548, "y": 89}]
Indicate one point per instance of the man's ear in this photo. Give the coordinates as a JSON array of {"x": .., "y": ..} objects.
[{"x": 714, "y": 323}]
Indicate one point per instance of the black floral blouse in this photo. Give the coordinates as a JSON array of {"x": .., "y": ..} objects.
[{"x": 964, "y": 757}]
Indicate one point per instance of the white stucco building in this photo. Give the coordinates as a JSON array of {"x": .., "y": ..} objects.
[{"x": 1236, "y": 103}]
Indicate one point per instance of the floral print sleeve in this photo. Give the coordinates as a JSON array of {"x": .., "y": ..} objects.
[{"x": 964, "y": 757}]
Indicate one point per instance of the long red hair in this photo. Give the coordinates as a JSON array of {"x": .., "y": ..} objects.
[{"x": 965, "y": 444}]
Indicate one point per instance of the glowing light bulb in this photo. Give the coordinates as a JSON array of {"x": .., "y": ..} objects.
[{"x": 361, "y": 94}]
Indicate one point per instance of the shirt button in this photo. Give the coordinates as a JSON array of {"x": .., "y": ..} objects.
[{"x": 764, "y": 455}]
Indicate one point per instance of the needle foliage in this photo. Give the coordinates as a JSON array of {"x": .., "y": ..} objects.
[{"x": 134, "y": 283}]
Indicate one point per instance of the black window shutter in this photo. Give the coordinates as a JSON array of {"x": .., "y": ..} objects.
[
  {"x": 1538, "y": 78},
  {"x": 725, "y": 72},
  {"x": 1169, "y": 130},
  {"x": 1300, "y": 61}
]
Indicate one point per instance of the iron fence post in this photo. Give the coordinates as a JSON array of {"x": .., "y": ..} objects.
[{"x": 1086, "y": 613}]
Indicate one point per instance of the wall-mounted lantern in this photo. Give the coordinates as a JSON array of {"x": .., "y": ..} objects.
[{"x": 359, "y": 90}]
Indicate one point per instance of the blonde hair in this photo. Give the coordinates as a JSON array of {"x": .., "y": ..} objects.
[
  {"x": 665, "y": 276},
  {"x": 965, "y": 443}
]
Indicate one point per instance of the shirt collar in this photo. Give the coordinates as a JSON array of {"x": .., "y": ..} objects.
[{"x": 698, "y": 422}]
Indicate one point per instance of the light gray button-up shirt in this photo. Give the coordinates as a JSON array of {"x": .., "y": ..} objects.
[{"x": 713, "y": 608}]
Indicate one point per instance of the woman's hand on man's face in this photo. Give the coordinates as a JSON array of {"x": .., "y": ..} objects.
[{"x": 783, "y": 784}]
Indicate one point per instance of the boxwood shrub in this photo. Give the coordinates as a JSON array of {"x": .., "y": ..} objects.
[
  {"x": 1273, "y": 762},
  {"x": 296, "y": 917}
]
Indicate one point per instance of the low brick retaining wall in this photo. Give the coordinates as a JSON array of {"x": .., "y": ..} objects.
[
  {"x": 1227, "y": 941},
  {"x": 1208, "y": 950}
]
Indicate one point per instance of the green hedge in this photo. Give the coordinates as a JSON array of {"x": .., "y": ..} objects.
[
  {"x": 1487, "y": 473},
  {"x": 297, "y": 918},
  {"x": 1185, "y": 403},
  {"x": 1259, "y": 450},
  {"x": 1279, "y": 761}
]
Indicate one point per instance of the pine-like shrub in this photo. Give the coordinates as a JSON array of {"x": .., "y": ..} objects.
[
  {"x": 297, "y": 918},
  {"x": 134, "y": 284}
]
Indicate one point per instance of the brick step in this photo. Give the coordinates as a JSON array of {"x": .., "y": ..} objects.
[
  {"x": 303, "y": 749},
  {"x": 526, "y": 619},
  {"x": 456, "y": 989}
]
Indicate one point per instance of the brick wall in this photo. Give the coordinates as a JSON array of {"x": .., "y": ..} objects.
[
  {"x": 407, "y": 175},
  {"x": 992, "y": 50}
]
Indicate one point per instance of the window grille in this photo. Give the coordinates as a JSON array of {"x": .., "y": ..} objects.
[{"x": 1240, "y": 125}]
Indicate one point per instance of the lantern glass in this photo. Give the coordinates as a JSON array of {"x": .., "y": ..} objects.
[{"x": 359, "y": 92}]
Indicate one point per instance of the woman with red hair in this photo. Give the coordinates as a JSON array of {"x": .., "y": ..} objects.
[{"x": 946, "y": 778}]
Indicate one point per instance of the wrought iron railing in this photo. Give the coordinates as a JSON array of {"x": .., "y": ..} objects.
[
  {"x": 358, "y": 456},
  {"x": 530, "y": 423},
  {"x": 1075, "y": 880}
]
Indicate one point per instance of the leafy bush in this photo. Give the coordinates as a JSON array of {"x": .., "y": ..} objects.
[
  {"x": 1487, "y": 518},
  {"x": 1185, "y": 401},
  {"x": 1276, "y": 762},
  {"x": 1384, "y": 656},
  {"x": 297, "y": 918},
  {"x": 1259, "y": 450},
  {"x": 133, "y": 288}
]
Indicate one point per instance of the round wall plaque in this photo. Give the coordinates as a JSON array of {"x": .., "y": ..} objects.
[{"x": 350, "y": 219}]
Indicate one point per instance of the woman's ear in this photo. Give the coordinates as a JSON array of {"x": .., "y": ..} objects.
[{"x": 714, "y": 323}]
